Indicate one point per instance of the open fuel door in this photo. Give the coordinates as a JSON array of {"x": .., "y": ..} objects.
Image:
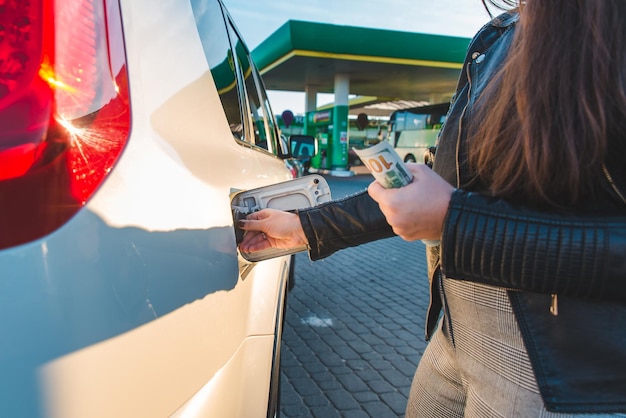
[{"x": 300, "y": 193}]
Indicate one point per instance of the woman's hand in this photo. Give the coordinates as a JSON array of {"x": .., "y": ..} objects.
[
  {"x": 417, "y": 210},
  {"x": 271, "y": 228}
]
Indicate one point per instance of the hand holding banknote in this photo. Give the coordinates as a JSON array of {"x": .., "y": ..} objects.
[
  {"x": 385, "y": 165},
  {"x": 413, "y": 198}
]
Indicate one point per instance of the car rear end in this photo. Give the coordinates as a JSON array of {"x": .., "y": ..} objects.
[{"x": 121, "y": 289}]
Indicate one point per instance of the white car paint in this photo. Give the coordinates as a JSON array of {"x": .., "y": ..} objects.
[{"x": 136, "y": 306}]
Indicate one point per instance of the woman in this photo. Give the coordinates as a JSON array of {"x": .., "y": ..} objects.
[{"x": 524, "y": 213}]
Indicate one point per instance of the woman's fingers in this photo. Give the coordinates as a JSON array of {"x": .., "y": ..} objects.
[
  {"x": 254, "y": 241},
  {"x": 374, "y": 189},
  {"x": 250, "y": 225},
  {"x": 271, "y": 228},
  {"x": 417, "y": 210}
]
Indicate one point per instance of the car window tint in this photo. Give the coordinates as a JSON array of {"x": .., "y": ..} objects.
[
  {"x": 260, "y": 119},
  {"x": 216, "y": 45},
  {"x": 271, "y": 122},
  {"x": 238, "y": 82}
]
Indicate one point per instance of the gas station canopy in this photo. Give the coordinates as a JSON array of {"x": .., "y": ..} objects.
[
  {"x": 380, "y": 66},
  {"x": 388, "y": 65}
]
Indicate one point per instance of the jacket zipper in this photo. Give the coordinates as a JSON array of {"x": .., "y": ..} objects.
[
  {"x": 554, "y": 301},
  {"x": 445, "y": 308},
  {"x": 444, "y": 302},
  {"x": 613, "y": 185},
  {"x": 554, "y": 304},
  {"x": 458, "y": 136}
]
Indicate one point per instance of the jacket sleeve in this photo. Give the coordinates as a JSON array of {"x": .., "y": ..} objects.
[
  {"x": 343, "y": 223},
  {"x": 489, "y": 241}
]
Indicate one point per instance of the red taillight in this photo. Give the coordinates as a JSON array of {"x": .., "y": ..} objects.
[
  {"x": 294, "y": 171},
  {"x": 64, "y": 110}
]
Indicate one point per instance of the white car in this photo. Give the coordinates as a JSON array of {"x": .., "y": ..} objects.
[{"x": 126, "y": 126}]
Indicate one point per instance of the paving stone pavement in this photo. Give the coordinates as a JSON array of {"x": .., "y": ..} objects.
[{"x": 354, "y": 331}]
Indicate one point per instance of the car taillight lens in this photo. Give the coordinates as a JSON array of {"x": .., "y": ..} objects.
[{"x": 64, "y": 110}]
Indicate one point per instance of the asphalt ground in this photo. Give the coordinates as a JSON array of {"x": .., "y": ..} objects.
[{"x": 354, "y": 327}]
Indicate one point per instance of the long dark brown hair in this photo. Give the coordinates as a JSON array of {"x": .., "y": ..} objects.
[{"x": 544, "y": 125}]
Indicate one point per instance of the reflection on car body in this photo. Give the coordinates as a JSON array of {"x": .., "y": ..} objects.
[{"x": 121, "y": 290}]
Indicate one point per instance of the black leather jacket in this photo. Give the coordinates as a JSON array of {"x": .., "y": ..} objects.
[{"x": 579, "y": 355}]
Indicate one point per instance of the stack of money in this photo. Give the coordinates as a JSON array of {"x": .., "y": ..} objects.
[{"x": 385, "y": 165}]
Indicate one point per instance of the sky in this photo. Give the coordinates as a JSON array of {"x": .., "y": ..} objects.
[{"x": 258, "y": 19}]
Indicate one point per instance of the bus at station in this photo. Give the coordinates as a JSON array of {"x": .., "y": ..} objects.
[{"x": 413, "y": 131}]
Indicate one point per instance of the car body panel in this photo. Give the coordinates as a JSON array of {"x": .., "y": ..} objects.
[{"x": 136, "y": 306}]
